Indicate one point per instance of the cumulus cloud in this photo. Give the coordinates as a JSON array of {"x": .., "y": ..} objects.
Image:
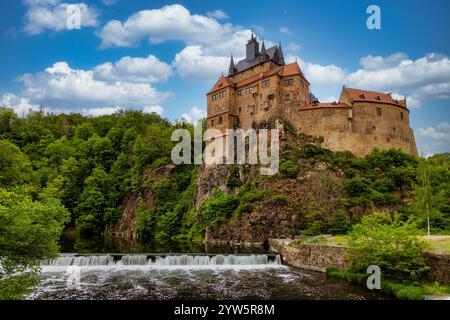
[
  {"x": 194, "y": 115},
  {"x": 436, "y": 138},
  {"x": 19, "y": 104},
  {"x": 154, "y": 109},
  {"x": 171, "y": 22},
  {"x": 65, "y": 87},
  {"x": 191, "y": 62},
  {"x": 378, "y": 62},
  {"x": 407, "y": 73},
  {"x": 54, "y": 15},
  {"x": 145, "y": 70},
  {"x": 218, "y": 14}
]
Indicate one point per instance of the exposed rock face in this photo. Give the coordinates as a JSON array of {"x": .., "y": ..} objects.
[
  {"x": 211, "y": 177},
  {"x": 315, "y": 189}
]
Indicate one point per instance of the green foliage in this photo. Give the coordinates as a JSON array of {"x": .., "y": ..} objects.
[
  {"x": 289, "y": 169},
  {"x": 29, "y": 230},
  {"x": 15, "y": 168},
  {"x": 217, "y": 208},
  {"x": 389, "y": 243},
  {"x": 402, "y": 291},
  {"x": 340, "y": 223}
]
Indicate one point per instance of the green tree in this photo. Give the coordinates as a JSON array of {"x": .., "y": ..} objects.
[
  {"x": 29, "y": 230},
  {"x": 15, "y": 168},
  {"x": 389, "y": 243}
]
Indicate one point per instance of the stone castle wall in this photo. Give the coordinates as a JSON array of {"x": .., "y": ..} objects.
[{"x": 358, "y": 129}]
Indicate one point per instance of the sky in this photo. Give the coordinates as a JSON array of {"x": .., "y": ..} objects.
[{"x": 95, "y": 57}]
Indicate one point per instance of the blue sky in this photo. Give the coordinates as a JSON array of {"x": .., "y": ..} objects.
[{"x": 164, "y": 56}]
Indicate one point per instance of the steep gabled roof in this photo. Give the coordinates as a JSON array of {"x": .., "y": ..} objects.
[{"x": 222, "y": 83}]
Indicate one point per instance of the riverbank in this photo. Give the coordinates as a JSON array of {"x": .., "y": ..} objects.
[{"x": 330, "y": 257}]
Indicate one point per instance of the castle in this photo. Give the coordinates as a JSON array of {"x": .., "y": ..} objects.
[{"x": 262, "y": 87}]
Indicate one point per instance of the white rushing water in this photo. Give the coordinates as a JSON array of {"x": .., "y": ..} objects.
[{"x": 65, "y": 260}]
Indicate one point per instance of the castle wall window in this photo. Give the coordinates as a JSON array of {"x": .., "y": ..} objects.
[
  {"x": 248, "y": 90},
  {"x": 287, "y": 97},
  {"x": 401, "y": 115},
  {"x": 240, "y": 93},
  {"x": 266, "y": 83},
  {"x": 212, "y": 122},
  {"x": 221, "y": 94},
  {"x": 220, "y": 120},
  {"x": 379, "y": 112},
  {"x": 288, "y": 82}
]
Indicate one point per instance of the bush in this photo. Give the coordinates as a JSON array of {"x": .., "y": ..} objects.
[
  {"x": 217, "y": 208},
  {"x": 279, "y": 199},
  {"x": 289, "y": 169},
  {"x": 340, "y": 223},
  {"x": 392, "y": 245}
]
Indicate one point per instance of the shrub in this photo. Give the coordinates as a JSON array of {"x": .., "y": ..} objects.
[
  {"x": 289, "y": 169},
  {"x": 392, "y": 245},
  {"x": 340, "y": 223}
]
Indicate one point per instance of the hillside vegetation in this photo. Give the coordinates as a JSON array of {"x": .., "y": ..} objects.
[{"x": 102, "y": 168}]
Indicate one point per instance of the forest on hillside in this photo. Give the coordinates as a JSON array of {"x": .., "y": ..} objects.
[
  {"x": 90, "y": 164},
  {"x": 70, "y": 172}
]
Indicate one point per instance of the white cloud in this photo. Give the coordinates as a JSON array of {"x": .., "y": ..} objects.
[
  {"x": 100, "y": 111},
  {"x": 378, "y": 62},
  {"x": 293, "y": 47},
  {"x": 171, "y": 22},
  {"x": 218, "y": 14},
  {"x": 68, "y": 88},
  {"x": 194, "y": 115},
  {"x": 285, "y": 30},
  {"x": 191, "y": 62},
  {"x": 20, "y": 105},
  {"x": 145, "y": 70},
  {"x": 322, "y": 75},
  {"x": 437, "y": 139},
  {"x": 54, "y": 15},
  {"x": 408, "y": 74},
  {"x": 156, "y": 109}
]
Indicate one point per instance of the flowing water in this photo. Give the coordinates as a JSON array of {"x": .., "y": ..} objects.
[{"x": 186, "y": 276}]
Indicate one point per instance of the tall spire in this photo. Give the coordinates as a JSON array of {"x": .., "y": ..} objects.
[
  {"x": 280, "y": 54},
  {"x": 232, "y": 68},
  {"x": 264, "y": 55}
]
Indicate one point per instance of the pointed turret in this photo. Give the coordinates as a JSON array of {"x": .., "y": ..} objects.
[
  {"x": 280, "y": 55},
  {"x": 264, "y": 55},
  {"x": 232, "y": 68}
]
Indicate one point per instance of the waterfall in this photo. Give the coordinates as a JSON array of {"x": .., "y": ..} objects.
[{"x": 162, "y": 260}]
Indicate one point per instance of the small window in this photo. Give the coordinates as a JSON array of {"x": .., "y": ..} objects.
[
  {"x": 220, "y": 120},
  {"x": 288, "y": 82},
  {"x": 240, "y": 109},
  {"x": 249, "y": 90},
  {"x": 266, "y": 83},
  {"x": 379, "y": 112},
  {"x": 240, "y": 93},
  {"x": 212, "y": 122},
  {"x": 401, "y": 115},
  {"x": 287, "y": 97}
]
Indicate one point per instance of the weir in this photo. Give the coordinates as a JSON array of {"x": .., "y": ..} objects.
[{"x": 157, "y": 259}]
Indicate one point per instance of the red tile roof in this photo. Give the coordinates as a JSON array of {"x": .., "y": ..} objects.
[
  {"x": 222, "y": 83},
  {"x": 283, "y": 71},
  {"x": 321, "y": 105},
  {"x": 372, "y": 96}
]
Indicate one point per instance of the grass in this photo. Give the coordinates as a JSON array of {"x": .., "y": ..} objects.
[{"x": 439, "y": 243}]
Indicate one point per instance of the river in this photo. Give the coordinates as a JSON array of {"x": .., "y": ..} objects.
[{"x": 186, "y": 276}]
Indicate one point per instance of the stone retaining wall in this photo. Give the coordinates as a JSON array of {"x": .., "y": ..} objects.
[{"x": 318, "y": 257}]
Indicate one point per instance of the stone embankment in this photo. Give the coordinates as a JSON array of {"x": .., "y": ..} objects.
[{"x": 320, "y": 256}]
